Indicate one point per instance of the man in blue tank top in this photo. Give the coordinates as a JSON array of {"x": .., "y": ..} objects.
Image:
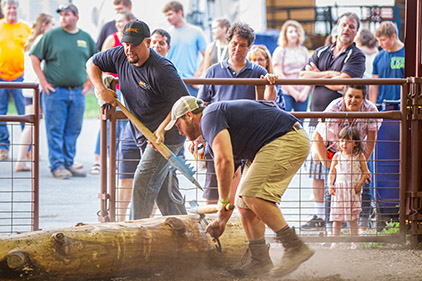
[{"x": 275, "y": 146}]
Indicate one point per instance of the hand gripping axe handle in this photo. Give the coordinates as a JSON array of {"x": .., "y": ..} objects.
[
  {"x": 208, "y": 209},
  {"x": 176, "y": 162},
  {"x": 202, "y": 210}
]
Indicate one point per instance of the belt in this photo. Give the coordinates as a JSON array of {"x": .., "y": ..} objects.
[
  {"x": 296, "y": 126},
  {"x": 69, "y": 88}
]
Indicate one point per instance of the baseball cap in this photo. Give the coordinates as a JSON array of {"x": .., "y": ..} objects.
[
  {"x": 68, "y": 8},
  {"x": 135, "y": 32},
  {"x": 181, "y": 107}
]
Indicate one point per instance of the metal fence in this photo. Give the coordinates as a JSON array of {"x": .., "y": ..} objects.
[
  {"x": 389, "y": 175},
  {"x": 19, "y": 191}
]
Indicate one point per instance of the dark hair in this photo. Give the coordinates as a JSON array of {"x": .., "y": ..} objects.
[
  {"x": 366, "y": 38},
  {"x": 242, "y": 30},
  {"x": 173, "y": 6},
  {"x": 357, "y": 87},
  {"x": 163, "y": 33},
  {"x": 351, "y": 133},
  {"x": 222, "y": 22},
  {"x": 127, "y": 3},
  {"x": 350, "y": 15}
]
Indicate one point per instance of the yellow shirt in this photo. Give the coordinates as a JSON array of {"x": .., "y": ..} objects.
[{"x": 12, "y": 41}]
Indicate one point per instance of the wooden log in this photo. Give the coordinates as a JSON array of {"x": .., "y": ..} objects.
[{"x": 103, "y": 251}]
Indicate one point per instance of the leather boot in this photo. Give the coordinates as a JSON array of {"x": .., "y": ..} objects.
[
  {"x": 295, "y": 253},
  {"x": 260, "y": 263}
]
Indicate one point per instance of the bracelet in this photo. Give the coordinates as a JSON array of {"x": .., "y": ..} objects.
[{"x": 224, "y": 202}]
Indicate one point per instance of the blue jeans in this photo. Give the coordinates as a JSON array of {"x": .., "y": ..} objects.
[
  {"x": 63, "y": 112},
  {"x": 290, "y": 103},
  {"x": 151, "y": 184},
  {"x": 4, "y": 107}
]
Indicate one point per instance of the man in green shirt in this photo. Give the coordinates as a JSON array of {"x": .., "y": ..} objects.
[{"x": 64, "y": 82}]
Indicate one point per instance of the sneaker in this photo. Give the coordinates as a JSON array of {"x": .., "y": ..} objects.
[
  {"x": 355, "y": 245},
  {"x": 334, "y": 246},
  {"x": 76, "y": 173},
  {"x": 315, "y": 222},
  {"x": 4, "y": 154},
  {"x": 61, "y": 173}
]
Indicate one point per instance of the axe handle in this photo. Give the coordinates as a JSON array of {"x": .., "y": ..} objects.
[
  {"x": 210, "y": 209},
  {"x": 162, "y": 148}
]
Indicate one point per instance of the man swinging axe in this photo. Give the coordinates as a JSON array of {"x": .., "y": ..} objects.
[{"x": 276, "y": 145}]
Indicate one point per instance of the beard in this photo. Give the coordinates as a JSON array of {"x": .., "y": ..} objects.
[
  {"x": 190, "y": 132},
  {"x": 133, "y": 60}
]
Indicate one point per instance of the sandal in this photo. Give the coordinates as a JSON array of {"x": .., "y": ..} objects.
[{"x": 95, "y": 169}]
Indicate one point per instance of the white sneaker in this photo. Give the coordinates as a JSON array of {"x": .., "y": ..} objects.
[{"x": 334, "y": 246}]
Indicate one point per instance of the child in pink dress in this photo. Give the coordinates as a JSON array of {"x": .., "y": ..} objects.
[{"x": 349, "y": 172}]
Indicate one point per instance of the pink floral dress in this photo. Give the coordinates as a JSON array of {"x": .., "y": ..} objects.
[{"x": 346, "y": 204}]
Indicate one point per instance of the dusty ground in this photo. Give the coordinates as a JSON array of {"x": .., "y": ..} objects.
[{"x": 390, "y": 263}]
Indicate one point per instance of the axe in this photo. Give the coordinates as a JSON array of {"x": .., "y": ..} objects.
[
  {"x": 206, "y": 209},
  {"x": 202, "y": 210},
  {"x": 175, "y": 161}
]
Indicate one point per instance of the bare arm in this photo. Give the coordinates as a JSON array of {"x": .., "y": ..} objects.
[
  {"x": 364, "y": 173},
  {"x": 320, "y": 148},
  {"x": 108, "y": 43},
  {"x": 45, "y": 86},
  {"x": 332, "y": 175},
  {"x": 224, "y": 169},
  {"x": 312, "y": 71},
  {"x": 370, "y": 143},
  {"x": 207, "y": 61},
  {"x": 270, "y": 92},
  {"x": 86, "y": 86},
  {"x": 95, "y": 76},
  {"x": 338, "y": 87},
  {"x": 373, "y": 91},
  {"x": 200, "y": 68},
  {"x": 160, "y": 131}
]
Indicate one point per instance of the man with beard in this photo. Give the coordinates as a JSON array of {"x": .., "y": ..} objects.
[
  {"x": 150, "y": 85},
  {"x": 342, "y": 59},
  {"x": 276, "y": 145}
]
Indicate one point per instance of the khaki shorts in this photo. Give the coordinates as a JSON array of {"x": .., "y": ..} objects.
[{"x": 273, "y": 168}]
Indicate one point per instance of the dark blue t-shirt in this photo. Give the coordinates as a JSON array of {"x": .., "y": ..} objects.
[
  {"x": 351, "y": 61},
  {"x": 389, "y": 65},
  {"x": 251, "y": 124},
  {"x": 214, "y": 93},
  {"x": 149, "y": 90}
]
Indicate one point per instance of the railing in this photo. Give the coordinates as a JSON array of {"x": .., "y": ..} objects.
[
  {"x": 299, "y": 216},
  {"x": 19, "y": 204}
]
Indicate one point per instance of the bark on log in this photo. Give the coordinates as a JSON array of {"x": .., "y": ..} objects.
[{"x": 103, "y": 251}]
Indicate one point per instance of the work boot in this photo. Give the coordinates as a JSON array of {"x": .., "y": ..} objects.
[
  {"x": 295, "y": 253},
  {"x": 260, "y": 263}
]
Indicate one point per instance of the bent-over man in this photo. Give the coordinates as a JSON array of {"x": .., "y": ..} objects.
[{"x": 275, "y": 143}]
